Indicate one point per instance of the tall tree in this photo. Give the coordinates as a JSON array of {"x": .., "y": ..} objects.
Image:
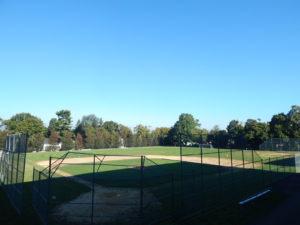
[
  {"x": 184, "y": 127},
  {"x": 161, "y": 135},
  {"x": 78, "y": 142},
  {"x": 142, "y": 131},
  {"x": 53, "y": 126},
  {"x": 111, "y": 126},
  {"x": 24, "y": 122},
  {"x": 100, "y": 138},
  {"x": 256, "y": 132},
  {"x": 294, "y": 122},
  {"x": 53, "y": 140},
  {"x": 235, "y": 128},
  {"x": 91, "y": 120},
  {"x": 67, "y": 141},
  {"x": 124, "y": 131},
  {"x": 279, "y": 126},
  {"x": 35, "y": 142},
  {"x": 64, "y": 121},
  {"x": 90, "y": 140},
  {"x": 235, "y": 131},
  {"x": 3, "y": 134}
]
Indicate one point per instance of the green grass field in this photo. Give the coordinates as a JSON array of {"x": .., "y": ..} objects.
[
  {"x": 33, "y": 158},
  {"x": 245, "y": 181}
]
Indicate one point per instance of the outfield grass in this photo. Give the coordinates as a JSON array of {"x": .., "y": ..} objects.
[
  {"x": 126, "y": 173},
  {"x": 33, "y": 158},
  {"x": 191, "y": 184}
]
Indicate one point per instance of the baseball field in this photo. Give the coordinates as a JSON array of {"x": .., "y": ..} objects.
[{"x": 104, "y": 186}]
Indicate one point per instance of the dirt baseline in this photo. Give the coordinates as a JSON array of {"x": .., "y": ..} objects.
[{"x": 193, "y": 159}]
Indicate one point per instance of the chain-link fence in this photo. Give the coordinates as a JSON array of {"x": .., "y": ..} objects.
[
  {"x": 82, "y": 188},
  {"x": 12, "y": 168},
  {"x": 281, "y": 144},
  {"x": 226, "y": 174}
]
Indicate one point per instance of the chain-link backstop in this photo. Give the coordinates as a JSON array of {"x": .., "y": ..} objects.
[
  {"x": 12, "y": 168},
  {"x": 281, "y": 144}
]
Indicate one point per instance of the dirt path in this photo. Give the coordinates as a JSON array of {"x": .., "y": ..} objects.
[
  {"x": 272, "y": 155},
  {"x": 194, "y": 159}
]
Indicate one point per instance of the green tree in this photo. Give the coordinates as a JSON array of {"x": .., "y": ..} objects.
[
  {"x": 235, "y": 128},
  {"x": 90, "y": 140},
  {"x": 294, "y": 122},
  {"x": 53, "y": 140},
  {"x": 256, "y": 132},
  {"x": 184, "y": 127},
  {"x": 100, "y": 139},
  {"x": 91, "y": 120},
  {"x": 67, "y": 141},
  {"x": 64, "y": 121},
  {"x": 53, "y": 126},
  {"x": 35, "y": 142},
  {"x": 3, "y": 135},
  {"x": 111, "y": 126},
  {"x": 124, "y": 131},
  {"x": 160, "y": 135},
  {"x": 279, "y": 126},
  {"x": 235, "y": 131},
  {"x": 142, "y": 131},
  {"x": 78, "y": 142},
  {"x": 24, "y": 122}
]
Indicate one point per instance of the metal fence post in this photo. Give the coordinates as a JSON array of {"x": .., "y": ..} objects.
[
  {"x": 290, "y": 164},
  {"x": 49, "y": 189},
  {"x": 231, "y": 164},
  {"x": 181, "y": 175},
  {"x": 141, "y": 189},
  {"x": 93, "y": 190},
  {"x": 231, "y": 169},
  {"x": 284, "y": 158},
  {"x": 277, "y": 165},
  {"x": 12, "y": 169},
  {"x": 262, "y": 170},
  {"x": 39, "y": 193},
  {"x": 252, "y": 159},
  {"x": 270, "y": 170},
  {"x": 201, "y": 171},
  {"x": 243, "y": 159},
  {"x": 201, "y": 150},
  {"x": 173, "y": 196},
  {"x": 219, "y": 169}
]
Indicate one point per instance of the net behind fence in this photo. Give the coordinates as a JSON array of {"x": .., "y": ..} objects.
[
  {"x": 281, "y": 144},
  {"x": 12, "y": 168}
]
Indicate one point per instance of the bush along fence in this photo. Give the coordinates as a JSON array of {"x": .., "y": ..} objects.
[{"x": 82, "y": 188}]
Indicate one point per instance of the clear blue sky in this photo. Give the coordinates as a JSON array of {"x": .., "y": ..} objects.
[{"x": 149, "y": 61}]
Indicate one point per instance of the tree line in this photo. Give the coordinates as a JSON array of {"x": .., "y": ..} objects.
[{"x": 93, "y": 133}]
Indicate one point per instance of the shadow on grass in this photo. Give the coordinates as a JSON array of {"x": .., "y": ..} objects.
[
  {"x": 282, "y": 162},
  {"x": 200, "y": 188}
]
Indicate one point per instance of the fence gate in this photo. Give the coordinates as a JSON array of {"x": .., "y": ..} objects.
[{"x": 12, "y": 168}]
